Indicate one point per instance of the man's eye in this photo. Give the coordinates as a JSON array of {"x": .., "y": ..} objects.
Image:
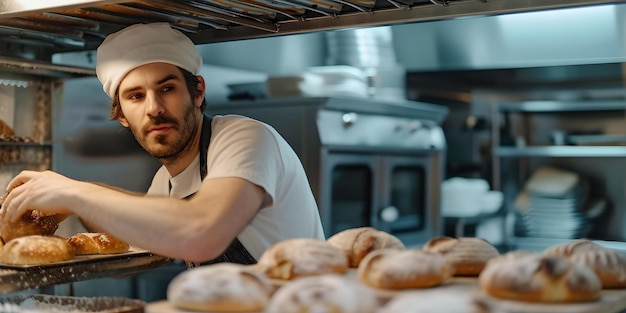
[
  {"x": 135, "y": 96},
  {"x": 168, "y": 88}
]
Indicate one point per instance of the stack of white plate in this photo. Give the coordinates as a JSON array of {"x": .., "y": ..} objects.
[{"x": 557, "y": 211}]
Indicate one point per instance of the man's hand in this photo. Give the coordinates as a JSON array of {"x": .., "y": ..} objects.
[{"x": 47, "y": 192}]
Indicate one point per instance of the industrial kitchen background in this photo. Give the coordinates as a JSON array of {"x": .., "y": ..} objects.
[{"x": 509, "y": 127}]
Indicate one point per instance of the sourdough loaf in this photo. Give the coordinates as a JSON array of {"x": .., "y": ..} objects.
[
  {"x": 468, "y": 255},
  {"x": 609, "y": 265},
  {"x": 533, "y": 277},
  {"x": 401, "y": 269},
  {"x": 356, "y": 243},
  {"x": 434, "y": 301},
  {"x": 301, "y": 257},
  {"x": 324, "y": 293},
  {"x": 221, "y": 287}
]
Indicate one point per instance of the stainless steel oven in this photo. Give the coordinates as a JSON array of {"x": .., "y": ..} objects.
[{"x": 370, "y": 163}]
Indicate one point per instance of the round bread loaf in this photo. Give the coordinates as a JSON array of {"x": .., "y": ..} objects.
[
  {"x": 401, "y": 269},
  {"x": 609, "y": 265},
  {"x": 324, "y": 293},
  {"x": 30, "y": 223},
  {"x": 301, "y": 257},
  {"x": 35, "y": 249},
  {"x": 533, "y": 277},
  {"x": 97, "y": 243},
  {"x": 221, "y": 287},
  {"x": 356, "y": 243},
  {"x": 467, "y": 255},
  {"x": 434, "y": 301}
]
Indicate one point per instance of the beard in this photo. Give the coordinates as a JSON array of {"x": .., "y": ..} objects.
[{"x": 168, "y": 148}]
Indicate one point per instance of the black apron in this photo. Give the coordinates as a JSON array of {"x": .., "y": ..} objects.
[{"x": 236, "y": 252}]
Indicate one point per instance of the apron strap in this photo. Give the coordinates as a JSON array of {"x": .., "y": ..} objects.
[{"x": 236, "y": 252}]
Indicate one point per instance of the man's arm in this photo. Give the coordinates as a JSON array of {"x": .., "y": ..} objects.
[{"x": 198, "y": 229}]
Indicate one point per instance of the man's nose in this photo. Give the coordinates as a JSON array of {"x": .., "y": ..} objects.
[{"x": 154, "y": 105}]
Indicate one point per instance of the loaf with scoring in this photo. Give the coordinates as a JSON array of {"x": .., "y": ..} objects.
[
  {"x": 357, "y": 242},
  {"x": 97, "y": 243},
  {"x": 468, "y": 255},
  {"x": 528, "y": 276},
  {"x": 301, "y": 257},
  {"x": 403, "y": 269},
  {"x": 609, "y": 265}
]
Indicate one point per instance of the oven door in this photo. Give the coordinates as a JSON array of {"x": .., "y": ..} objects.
[
  {"x": 388, "y": 192},
  {"x": 347, "y": 191},
  {"x": 403, "y": 208}
]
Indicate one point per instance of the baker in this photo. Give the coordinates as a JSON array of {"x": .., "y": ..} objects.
[{"x": 229, "y": 186}]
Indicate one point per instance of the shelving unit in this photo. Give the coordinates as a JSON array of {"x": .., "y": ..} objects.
[
  {"x": 533, "y": 127},
  {"x": 528, "y": 148}
]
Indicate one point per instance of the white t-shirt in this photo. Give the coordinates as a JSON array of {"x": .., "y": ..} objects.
[{"x": 252, "y": 150}]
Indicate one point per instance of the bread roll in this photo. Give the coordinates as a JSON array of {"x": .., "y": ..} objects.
[
  {"x": 467, "y": 255},
  {"x": 401, "y": 269},
  {"x": 539, "y": 278},
  {"x": 324, "y": 293},
  {"x": 221, "y": 287},
  {"x": 35, "y": 249},
  {"x": 301, "y": 257},
  {"x": 434, "y": 301},
  {"x": 356, "y": 243},
  {"x": 97, "y": 243},
  {"x": 30, "y": 223},
  {"x": 609, "y": 265}
]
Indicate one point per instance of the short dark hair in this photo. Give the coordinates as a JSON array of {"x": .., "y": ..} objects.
[{"x": 191, "y": 81}]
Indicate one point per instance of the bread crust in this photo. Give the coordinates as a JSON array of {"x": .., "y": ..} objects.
[
  {"x": 403, "y": 269},
  {"x": 539, "y": 278},
  {"x": 97, "y": 243},
  {"x": 300, "y": 257},
  {"x": 356, "y": 243},
  {"x": 30, "y": 223},
  {"x": 35, "y": 249},
  {"x": 221, "y": 287},
  {"x": 325, "y": 293},
  {"x": 468, "y": 255},
  {"x": 609, "y": 265}
]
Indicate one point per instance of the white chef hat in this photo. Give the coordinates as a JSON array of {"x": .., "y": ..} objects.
[{"x": 140, "y": 44}]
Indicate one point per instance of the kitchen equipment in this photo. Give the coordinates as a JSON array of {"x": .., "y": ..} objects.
[{"x": 369, "y": 163}]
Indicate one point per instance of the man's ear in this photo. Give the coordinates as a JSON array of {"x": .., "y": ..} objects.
[
  {"x": 123, "y": 121},
  {"x": 202, "y": 88}
]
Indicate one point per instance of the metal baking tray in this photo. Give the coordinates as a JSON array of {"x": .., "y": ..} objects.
[
  {"x": 49, "y": 303},
  {"x": 22, "y": 277},
  {"x": 78, "y": 259}
]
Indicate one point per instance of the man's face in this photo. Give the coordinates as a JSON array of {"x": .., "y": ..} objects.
[{"x": 158, "y": 109}]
